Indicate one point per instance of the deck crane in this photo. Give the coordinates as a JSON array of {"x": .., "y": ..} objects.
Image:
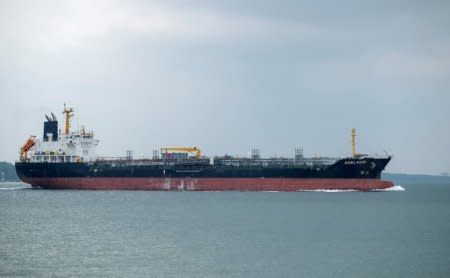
[{"x": 193, "y": 150}]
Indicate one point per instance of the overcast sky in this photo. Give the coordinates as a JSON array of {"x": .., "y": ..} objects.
[{"x": 227, "y": 76}]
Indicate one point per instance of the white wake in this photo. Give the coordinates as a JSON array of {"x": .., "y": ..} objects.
[
  {"x": 393, "y": 188},
  {"x": 329, "y": 190},
  {"x": 14, "y": 188}
]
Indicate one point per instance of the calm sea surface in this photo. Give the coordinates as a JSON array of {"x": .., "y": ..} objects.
[{"x": 225, "y": 234}]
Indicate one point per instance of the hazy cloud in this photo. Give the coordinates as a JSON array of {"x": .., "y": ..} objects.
[{"x": 78, "y": 22}]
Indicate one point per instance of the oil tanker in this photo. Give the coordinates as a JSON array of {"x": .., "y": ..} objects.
[{"x": 68, "y": 160}]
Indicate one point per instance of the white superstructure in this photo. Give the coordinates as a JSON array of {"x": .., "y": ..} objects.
[{"x": 67, "y": 146}]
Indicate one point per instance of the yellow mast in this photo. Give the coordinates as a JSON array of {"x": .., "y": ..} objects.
[
  {"x": 353, "y": 143},
  {"x": 69, "y": 113}
]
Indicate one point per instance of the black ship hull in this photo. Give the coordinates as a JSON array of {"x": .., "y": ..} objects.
[{"x": 349, "y": 173}]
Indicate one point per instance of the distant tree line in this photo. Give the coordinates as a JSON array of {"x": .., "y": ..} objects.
[
  {"x": 8, "y": 172},
  {"x": 402, "y": 179}
]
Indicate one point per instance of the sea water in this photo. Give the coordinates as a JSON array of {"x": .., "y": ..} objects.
[{"x": 402, "y": 232}]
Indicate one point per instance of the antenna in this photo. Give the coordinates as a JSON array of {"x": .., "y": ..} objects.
[
  {"x": 129, "y": 155},
  {"x": 155, "y": 154},
  {"x": 256, "y": 154},
  {"x": 299, "y": 154}
]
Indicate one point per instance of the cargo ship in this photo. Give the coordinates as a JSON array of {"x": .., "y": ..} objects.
[{"x": 68, "y": 160}]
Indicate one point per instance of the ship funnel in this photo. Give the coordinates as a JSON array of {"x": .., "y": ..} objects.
[{"x": 50, "y": 127}]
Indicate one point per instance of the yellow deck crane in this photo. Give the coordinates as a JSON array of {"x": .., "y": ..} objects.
[{"x": 193, "y": 150}]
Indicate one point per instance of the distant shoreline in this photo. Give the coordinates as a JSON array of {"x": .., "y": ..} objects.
[{"x": 415, "y": 178}]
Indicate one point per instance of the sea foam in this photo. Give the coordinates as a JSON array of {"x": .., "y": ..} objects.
[
  {"x": 14, "y": 188},
  {"x": 329, "y": 190},
  {"x": 392, "y": 188}
]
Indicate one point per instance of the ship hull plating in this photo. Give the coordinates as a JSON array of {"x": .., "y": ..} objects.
[
  {"x": 208, "y": 184},
  {"x": 349, "y": 173}
]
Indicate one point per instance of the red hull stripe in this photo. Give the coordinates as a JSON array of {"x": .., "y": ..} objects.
[{"x": 208, "y": 184}]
